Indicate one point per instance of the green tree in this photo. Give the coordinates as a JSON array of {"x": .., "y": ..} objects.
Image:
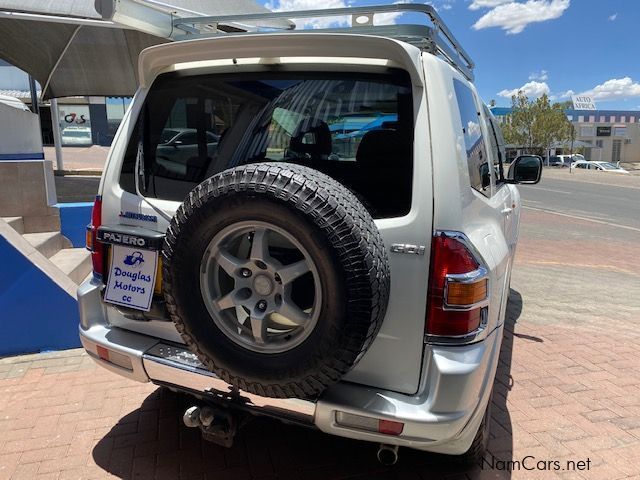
[{"x": 536, "y": 124}]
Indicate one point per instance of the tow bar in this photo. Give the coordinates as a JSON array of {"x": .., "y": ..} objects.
[{"x": 218, "y": 426}]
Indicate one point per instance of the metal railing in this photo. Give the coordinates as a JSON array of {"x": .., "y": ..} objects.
[{"x": 433, "y": 37}]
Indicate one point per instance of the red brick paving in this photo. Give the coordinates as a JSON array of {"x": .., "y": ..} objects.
[{"x": 567, "y": 390}]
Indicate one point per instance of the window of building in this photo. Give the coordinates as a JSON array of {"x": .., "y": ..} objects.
[
  {"x": 603, "y": 119},
  {"x": 592, "y": 118},
  {"x": 632, "y": 119},
  {"x": 623, "y": 119},
  {"x": 612, "y": 119},
  {"x": 116, "y": 108},
  {"x": 599, "y": 143},
  {"x": 477, "y": 161},
  {"x": 587, "y": 131},
  {"x": 580, "y": 118},
  {"x": 619, "y": 131}
]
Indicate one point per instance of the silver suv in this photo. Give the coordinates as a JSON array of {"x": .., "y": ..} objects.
[{"x": 333, "y": 248}]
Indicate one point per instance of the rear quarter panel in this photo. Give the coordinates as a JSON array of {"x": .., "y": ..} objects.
[{"x": 456, "y": 205}]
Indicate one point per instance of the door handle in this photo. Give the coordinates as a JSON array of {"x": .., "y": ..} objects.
[{"x": 506, "y": 211}]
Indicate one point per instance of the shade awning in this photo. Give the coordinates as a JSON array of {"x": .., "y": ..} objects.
[{"x": 67, "y": 47}]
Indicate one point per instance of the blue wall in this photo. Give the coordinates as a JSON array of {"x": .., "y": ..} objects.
[
  {"x": 35, "y": 313},
  {"x": 74, "y": 218}
]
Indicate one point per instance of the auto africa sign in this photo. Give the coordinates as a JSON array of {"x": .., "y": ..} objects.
[{"x": 581, "y": 102}]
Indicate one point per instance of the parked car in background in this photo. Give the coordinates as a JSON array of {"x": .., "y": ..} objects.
[
  {"x": 562, "y": 161},
  {"x": 76, "y": 136},
  {"x": 556, "y": 161},
  {"x": 599, "y": 166},
  {"x": 177, "y": 153}
]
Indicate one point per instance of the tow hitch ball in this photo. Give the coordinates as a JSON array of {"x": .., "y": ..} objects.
[{"x": 217, "y": 426}]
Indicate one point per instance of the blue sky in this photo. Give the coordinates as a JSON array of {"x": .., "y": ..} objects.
[{"x": 552, "y": 46}]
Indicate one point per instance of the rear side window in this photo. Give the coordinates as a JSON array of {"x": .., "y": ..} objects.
[
  {"x": 357, "y": 129},
  {"x": 477, "y": 160}
]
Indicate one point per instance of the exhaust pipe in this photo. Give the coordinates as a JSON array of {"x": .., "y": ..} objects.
[{"x": 387, "y": 454}]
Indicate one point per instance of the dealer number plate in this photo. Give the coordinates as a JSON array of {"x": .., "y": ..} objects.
[{"x": 132, "y": 275}]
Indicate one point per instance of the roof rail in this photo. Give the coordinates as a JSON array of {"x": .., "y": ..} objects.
[{"x": 433, "y": 37}]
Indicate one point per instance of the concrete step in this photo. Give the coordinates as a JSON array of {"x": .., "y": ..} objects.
[
  {"x": 75, "y": 262},
  {"x": 47, "y": 243},
  {"x": 16, "y": 223}
]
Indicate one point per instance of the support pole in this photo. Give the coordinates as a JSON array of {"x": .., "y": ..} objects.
[
  {"x": 57, "y": 138},
  {"x": 35, "y": 107}
]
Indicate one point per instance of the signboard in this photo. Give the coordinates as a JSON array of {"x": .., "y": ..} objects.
[
  {"x": 75, "y": 125},
  {"x": 132, "y": 275},
  {"x": 603, "y": 132},
  {"x": 580, "y": 102}
]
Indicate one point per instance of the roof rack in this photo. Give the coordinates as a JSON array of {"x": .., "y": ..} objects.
[{"x": 434, "y": 37}]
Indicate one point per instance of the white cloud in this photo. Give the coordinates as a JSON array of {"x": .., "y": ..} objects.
[
  {"x": 478, "y": 4},
  {"x": 613, "y": 17},
  {"x": 326, "y": 22},
  {"x": 531, "y": 89},
  {"x": 541, "y": 76},
  {"x": 615, "y": 89},
  {"x": 561, "y": 95},
  {"x": 513, "y": 17}
]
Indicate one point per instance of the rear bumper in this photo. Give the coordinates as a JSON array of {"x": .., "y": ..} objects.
[{"x": 443, "y": 417}]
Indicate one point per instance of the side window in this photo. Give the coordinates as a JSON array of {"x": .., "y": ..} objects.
[
  {"x": 496, "y": 141},
  {"x": 477, "y": 160}
]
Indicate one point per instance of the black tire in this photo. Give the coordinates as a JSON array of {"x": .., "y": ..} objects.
[{"x": 342, "y": 240}]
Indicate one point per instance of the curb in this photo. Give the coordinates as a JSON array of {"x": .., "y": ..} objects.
[{"x": 88, "y": 172}]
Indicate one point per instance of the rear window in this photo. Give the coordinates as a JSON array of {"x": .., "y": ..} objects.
[{"x": 356, "y": 128}]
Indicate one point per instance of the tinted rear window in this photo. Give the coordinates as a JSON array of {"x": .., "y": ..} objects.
[{"x": 357, "y": 129}]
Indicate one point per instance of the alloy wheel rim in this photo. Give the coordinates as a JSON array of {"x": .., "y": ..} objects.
[{"x": 255, "y": 282}]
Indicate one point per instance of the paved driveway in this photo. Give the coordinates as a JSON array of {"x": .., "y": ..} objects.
[{"x": 567, "y": 391}]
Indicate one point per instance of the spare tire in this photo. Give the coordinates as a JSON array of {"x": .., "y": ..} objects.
[{"x": 276, "y": 277}]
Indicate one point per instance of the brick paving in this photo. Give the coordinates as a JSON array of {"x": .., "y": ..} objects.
[{"x": 567, "y": 390}]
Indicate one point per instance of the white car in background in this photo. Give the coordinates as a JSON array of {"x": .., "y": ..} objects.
[
  {"x": 76, "y": 136},
  {"x": 599, "y": 166}
]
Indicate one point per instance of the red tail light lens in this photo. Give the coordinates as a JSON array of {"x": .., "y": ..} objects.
[
  {"x": 96, "y": 248},
  {"x": 457, "y": 285}
]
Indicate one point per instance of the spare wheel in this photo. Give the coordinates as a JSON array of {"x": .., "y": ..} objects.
[{"x": 276, "y": 277}]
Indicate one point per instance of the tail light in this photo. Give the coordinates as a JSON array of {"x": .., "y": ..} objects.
[
  {"x": 458, "y": 288},
  {"x": 96, "y": 248}
]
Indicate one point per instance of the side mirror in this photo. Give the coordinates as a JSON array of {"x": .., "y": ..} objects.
[{"x": 526, "y": 169}]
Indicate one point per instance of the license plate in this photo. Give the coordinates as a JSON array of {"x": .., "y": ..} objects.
[{"x": 132, "y": 276}]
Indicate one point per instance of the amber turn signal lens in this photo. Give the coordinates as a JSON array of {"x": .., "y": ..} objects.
[
  {"x": 464, "y": 294},
  {"x": 89, "y": 240}
]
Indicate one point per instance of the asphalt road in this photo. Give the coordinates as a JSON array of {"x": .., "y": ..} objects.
[{"x": 616, "y": 205}]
